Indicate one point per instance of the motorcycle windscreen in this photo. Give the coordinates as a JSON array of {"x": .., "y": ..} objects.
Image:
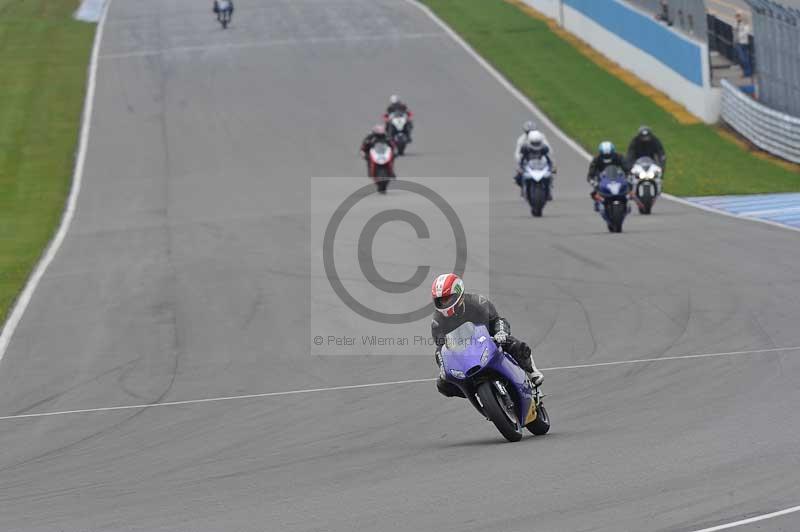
[
  {"x": 464, "y": 346},
  {"x": 381, "y": 153},
  {"x": 538, "y": 164}
]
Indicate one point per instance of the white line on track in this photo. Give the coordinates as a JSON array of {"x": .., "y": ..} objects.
[
  {"x": 527, "y": 103},
  {"x": 751, "y": 520},
  {"x": 38, "y": 272},
  {"x": 276, "y": 42},
  {"x": 379, "y": 384}
]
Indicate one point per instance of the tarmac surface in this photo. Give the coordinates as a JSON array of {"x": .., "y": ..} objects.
[{"x": 185, "y": 275}]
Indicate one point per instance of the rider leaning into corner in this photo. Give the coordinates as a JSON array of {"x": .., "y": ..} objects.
[
  {"x": 221, "y": 6},
  {"x": 454, "y": 307},
  {"x": 646, "y": 144},
  {"x": 398, "y": 106}
]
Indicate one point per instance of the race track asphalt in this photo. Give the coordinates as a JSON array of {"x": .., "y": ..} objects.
[{"x": 185, "y": 275}]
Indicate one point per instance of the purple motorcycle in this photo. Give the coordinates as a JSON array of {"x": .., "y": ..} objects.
[{"x": 495, "y": 385}]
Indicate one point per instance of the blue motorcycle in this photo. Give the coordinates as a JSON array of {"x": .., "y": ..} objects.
[
  {"x": 612, "y": 197},
  {"x": 490, "y": 379}
]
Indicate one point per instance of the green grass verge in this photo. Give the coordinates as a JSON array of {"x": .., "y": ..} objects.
[
  {"x": 44, "y": 56},
  {"x": 591, "y": 105}
]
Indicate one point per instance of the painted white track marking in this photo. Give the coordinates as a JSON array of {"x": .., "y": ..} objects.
[
  {"x": 276, "y": 42},
  {"x": 544, "y": 119},
  {"x": 379, "y": 384},
  {"x": 751, "y": 520},
  {"x": 41, "y": 267}
]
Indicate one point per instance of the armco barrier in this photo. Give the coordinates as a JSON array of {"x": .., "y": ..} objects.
[
  {"x": 668, "y": 60},
  {"x": 770, "y": 130}
]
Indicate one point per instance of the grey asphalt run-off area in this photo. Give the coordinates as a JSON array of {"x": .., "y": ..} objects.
[{"x": 185, "y": 275}]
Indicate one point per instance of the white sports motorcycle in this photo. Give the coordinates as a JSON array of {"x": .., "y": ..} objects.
[
  {"x": 646, "y": 183},
  {"x": 537, "y": 175}
]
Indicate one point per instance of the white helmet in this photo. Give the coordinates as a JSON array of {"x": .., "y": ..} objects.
[
  {"x": 394, "y": 98},
  {"x": 528, "y": 126},
  {"x": 536, "y": 140}
]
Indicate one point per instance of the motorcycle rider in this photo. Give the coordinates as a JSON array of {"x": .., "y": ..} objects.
[
  {"x": 376, "y": 135},
  {"x": 606, "y": 156},
  {"x": 527, "y": 127},
  {"x": 535, "y": 148},
  {"x": 454, "y": 307},
  {"x": 397, "y": 106},
  {"x": 646, "y": 144},
  {"x": 222, "y": 6}
]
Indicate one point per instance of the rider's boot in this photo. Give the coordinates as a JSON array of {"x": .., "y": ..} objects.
[{"x": 534, "y": 374}]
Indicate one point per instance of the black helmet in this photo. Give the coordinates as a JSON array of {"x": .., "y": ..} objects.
[{"x": 644, "y": 131}]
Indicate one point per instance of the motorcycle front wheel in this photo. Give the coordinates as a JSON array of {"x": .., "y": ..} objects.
[
  {"x": 537, "y": 197},
  {"x": 382, "y": 178},
  {"x": 497, "y": 411},
  {"x": 541, "y": 425},
  {"x": 616, "y": 214}
]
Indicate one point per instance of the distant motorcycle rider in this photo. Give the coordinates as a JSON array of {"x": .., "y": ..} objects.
[
  {"x": 223, "y": 6},
  {"x": 522, "y": 140},
  {"x": 535, "y": 148},
  {"x": 607, "y": 156},
  {"x": 397, "y": 106},
  {"x": 646, "y": 144},
  {"x": 454, "y": 307},
  {"x": 376, "y": 135}
]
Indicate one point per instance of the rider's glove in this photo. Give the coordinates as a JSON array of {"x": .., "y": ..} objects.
[{"x": 501, "y": 337}]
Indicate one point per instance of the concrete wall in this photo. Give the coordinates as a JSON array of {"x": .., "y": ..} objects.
[
  {"x": 547, "y": 7},
  {"x": 669, "y": 61}
]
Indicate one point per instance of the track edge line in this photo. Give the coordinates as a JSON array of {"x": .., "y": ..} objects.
[{"x": 24, "y": 299}]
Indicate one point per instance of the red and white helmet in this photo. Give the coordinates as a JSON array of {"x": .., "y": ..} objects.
[{"x": 448, "y": 293}]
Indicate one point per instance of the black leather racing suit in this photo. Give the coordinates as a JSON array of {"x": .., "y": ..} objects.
[
  {"x": 397, "y": 107},
  {"x": 479, "y": 310},
  {"x": 600, "y": 163},
  {"x": 400, "y": 107},
  {"x": 648, "y": 146}
]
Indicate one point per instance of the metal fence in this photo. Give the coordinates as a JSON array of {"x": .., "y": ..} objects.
[
  {"x": 770, "y": 130},
  {"x": 776, "y": 31},
  {"x": 688, "y": 16}
]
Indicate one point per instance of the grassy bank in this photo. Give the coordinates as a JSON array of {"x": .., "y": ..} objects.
[
  {"x": 591, "y": 105},
  {"x": 44, "y": 56}
]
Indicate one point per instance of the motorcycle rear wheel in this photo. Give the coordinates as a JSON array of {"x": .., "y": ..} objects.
[{"x": 495, "y": 409}]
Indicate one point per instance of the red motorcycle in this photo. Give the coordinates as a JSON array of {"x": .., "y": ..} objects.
[{"x": 381, "y": 165}]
